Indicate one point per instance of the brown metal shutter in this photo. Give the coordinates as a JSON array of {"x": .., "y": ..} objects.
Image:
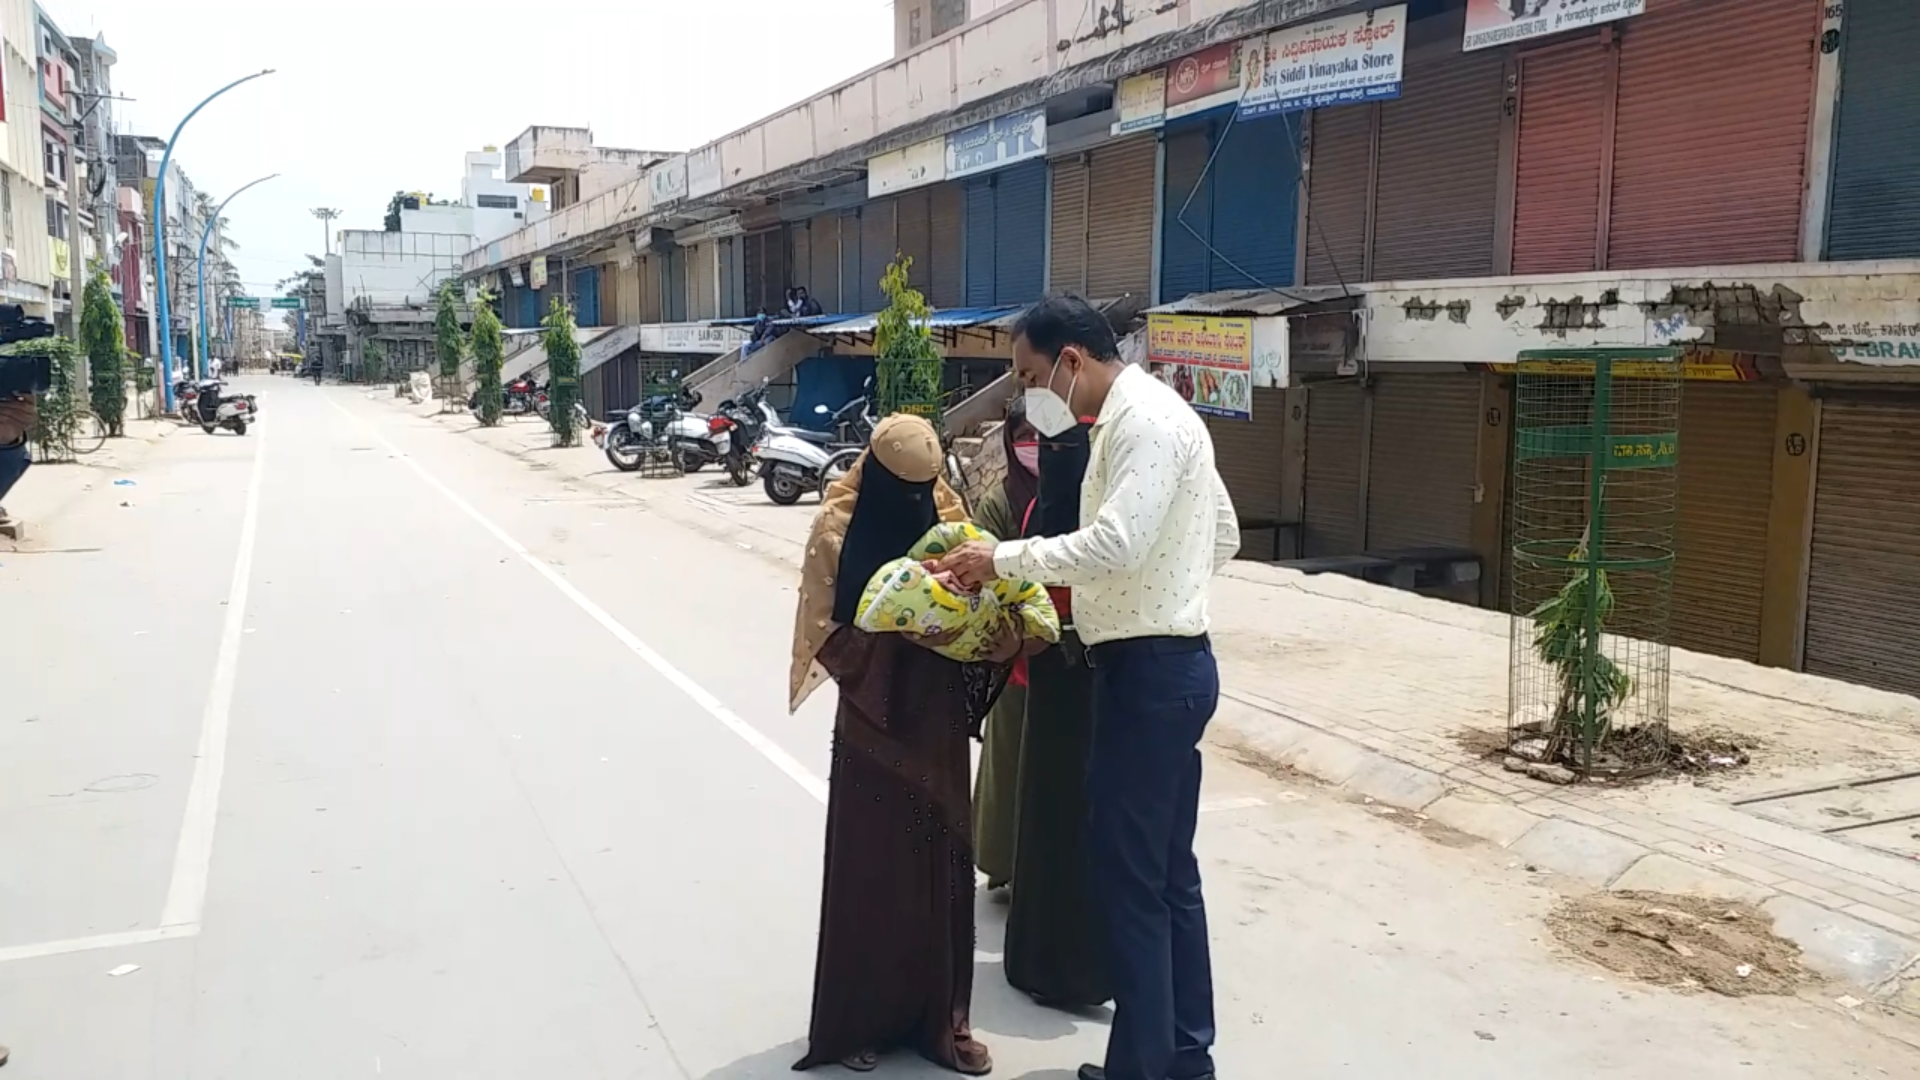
[
  {"x": 949, "y": 249},
  {"x": 1708, "y": 171},
  {"x": 915, "y": 237},
  {"x": 1556, "y": 212},
  {"x": 1247, "y": 454},
  {"x": 1726, "y": 495},
  {"x": 1863, "y": 584},
  {"x": 800, "y": 239},
  {"x": 700, "y": 267},
  {"x": 1120, "y": 225},
  {"x": 1421, "y": 468},
  {"x": 876, "y": 251},
  {"x": 1439, "y": 167},
  {"x": 775, "y": 254},
  {"x": 823, "y": 279},
  {"x": 1339, "y": 193},
  {"x": 1067, "y": 221},
  {"x": 1335, "y": 421},
  {"x": 652, "y": 305}
]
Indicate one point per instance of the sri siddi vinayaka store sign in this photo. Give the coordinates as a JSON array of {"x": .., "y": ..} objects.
[{"x": 1337, "y": 62}]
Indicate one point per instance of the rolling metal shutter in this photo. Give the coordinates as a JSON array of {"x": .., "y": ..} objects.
[
  {"x": 949, "y": 271},
  {"x": 586, "y": 296},
  {"x": 1863, "y": 581},
  {"x": 1020, "y": 233},
  {"x": 774, "y": 255},
  {"x": 1439, "y": 169},
  {"x": 1339, "y": 193},
  {"x": 823, "y": 248},
  {"x": 914, "y": 238},
  {"x": 703, "y": 268},
  {"x": 1335, "y": 423},
  {"x": 800, "y": 236},
  {"x": 1183, "y": 254},
  {"x": 876, "y": 251},
  {"x": 850, "y": 285},
  {"x": 1067, "y": 253},
  {"x": 1120, "y": 220},
  {"x": 978, "y": 290},
  {"x": 1556, "y": 212},
  {"x": 1875, "y": 210},
  {"x": 733, "y": 300},
  {"x": 677, "y": 285},
  {"x": 1248, "y": 455},
  {"x": 751, "y": 272},
  {"x": 1256, "y": 176},
  {"x": 1708, "y": 172},
  {"x": 1422, "y": 467},
  {"x": 653, "y": 307},
  {"x": 1726, "y": 495}
]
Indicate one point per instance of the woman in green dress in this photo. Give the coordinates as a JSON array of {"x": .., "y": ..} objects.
[{"x": 996, "y": 790}]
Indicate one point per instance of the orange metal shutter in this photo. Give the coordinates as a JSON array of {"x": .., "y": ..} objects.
[
  {"x": 1067, "y": 213},
  {"x": 1120, "y": 225},
  {"x": 1556, "y": 214},
  {"x": 1726, "y": 495},
  {"x": 1439, "y": 155}
]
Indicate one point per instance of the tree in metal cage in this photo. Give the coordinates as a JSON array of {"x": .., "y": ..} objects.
[
  {"x": 909, "y": 368},
  {"x": 488, "y": 344},
  {"x": 563, "y": 366},
  {"x": 1595, "y": 488}
]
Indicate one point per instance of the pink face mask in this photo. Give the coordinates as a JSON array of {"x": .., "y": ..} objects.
[{"x": 1028, "y": 454}]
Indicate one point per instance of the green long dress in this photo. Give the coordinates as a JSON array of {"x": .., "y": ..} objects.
[{"x": 996, "y": 788}]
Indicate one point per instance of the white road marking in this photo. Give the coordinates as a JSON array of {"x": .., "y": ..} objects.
[
  {"x": 708, "y": 703},
  {"x": 102, "y": 941},
  {"x": 193, "y": 858},
  {"x": 1221, "y": 806}
]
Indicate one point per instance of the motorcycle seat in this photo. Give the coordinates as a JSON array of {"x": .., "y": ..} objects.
[{"x": 822, "y": 438}]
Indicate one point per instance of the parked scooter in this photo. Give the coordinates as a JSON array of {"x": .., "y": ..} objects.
[
  {"x": 794, "y": 461},
  {"x": 211, "y": 410},
  {"x": 746, "y": 419}
]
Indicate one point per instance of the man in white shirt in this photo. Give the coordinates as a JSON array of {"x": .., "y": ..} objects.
[{"x": 1156, "y": 525}]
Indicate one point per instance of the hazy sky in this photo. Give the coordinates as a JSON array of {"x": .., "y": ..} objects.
[{"x": 370, "y": 98}]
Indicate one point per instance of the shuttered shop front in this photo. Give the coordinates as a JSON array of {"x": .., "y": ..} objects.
[
  {"x": 1121, "y": 198},
  {"x": 1863, "y": 581},
  {"x": 1335, "y": 424},
  {"x": 1248, "y": 455},
  {"x": 1006, "y": 235},
  {"x": 823, "y": 262},
  {"x": 1067, "y": 218},
  {"x": 1238, "y": 226},
  {"x": 1422, "y": 464},
  {"x": 876, "y": 251},
  {"x": 1875, "y": 210},
  {"x": 1725, "y": 497},
  {"x": 949, "y": 274},
  {"x": 913, "y": 237},
  {"x": 1556, "y": 211}
]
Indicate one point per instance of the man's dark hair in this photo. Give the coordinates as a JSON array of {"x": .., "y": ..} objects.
[{"x": 1058, "y": 321}]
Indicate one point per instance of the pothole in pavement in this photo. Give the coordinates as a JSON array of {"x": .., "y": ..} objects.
[{"x": 1682, "y": 943}]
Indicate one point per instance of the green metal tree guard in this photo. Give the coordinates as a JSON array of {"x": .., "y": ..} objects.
[{"x": 1595, "y": 490}]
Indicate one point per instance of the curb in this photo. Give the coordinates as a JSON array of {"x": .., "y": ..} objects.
[{"x": 1834, "y": 944}]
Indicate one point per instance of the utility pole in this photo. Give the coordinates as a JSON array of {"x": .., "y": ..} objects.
[{"x": 326, "y": 214}]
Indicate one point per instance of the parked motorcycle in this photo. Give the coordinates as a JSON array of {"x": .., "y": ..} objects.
[
  {"x": 644, "y": 429},
  {"x": 794, "y": 461},
  {"x": 747, "y": 418},
  {"x": 212, "y": 410}
]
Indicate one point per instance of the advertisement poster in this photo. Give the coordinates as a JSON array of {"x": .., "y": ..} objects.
[
  {"x": 1503, "y": 22},
  {"x": 1207, "y": 359},
  {"x": 537, "y": 273},
  {"x": 1208, "y": 78},
  {"x": 1340, "y": 61},
  {"x": 997, "y": 143},
  {"x": 1141, "y": 102},
  {"x": 668, "y": 180},
  {"x": 916, "y": 166}
]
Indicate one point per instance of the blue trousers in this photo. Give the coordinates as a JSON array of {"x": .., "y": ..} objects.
[
  {"x": 13, "y": 464},
  {"x": 1152, "y": 700}
]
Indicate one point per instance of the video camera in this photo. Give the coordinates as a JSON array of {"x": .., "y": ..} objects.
[{"x": 23, "y": 374}]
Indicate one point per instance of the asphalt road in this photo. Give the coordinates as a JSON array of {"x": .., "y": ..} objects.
[{"x": 383, "y": 754}]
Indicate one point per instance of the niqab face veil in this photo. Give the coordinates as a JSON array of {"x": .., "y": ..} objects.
[
  {"x": 1063, "y": 470},
  {"x": 890, "y": 515}
]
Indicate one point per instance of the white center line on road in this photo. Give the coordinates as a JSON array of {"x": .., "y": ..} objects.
[
  {"x": 103, "y": 941},
  {"x": 193, "y": 858},
  {"x": 708, "y": 703}
]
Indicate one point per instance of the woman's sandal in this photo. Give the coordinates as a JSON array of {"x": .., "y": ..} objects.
[{"x": 863, "y": 1062}]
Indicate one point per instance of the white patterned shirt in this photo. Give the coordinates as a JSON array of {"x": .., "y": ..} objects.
[{"x": 1157, "y": 523}]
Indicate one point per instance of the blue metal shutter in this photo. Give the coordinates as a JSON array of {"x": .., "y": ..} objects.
[
  {"x": 1875, "y": 211},
  {"x": 979, "y": 242},
  {"x": 586, "y": 296},
  {"x": 1256, "y": 177},
  {"x": 1020, "y": 233},
  {"x": 529, "y": 310},
  {"x": 850, "y": 262},
  {"x": 1183, "y": 256}
]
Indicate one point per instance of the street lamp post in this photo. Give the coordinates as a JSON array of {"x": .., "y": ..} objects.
[
  {"x": 206, "y": 235},
  {"x": 326, "y": 214},
  {"x": 160, "y": 241}
]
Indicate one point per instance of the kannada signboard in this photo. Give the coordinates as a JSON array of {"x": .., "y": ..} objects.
[
  {"x": 1503, "y": 22},
  {"x": 918, "y": 165},
  {"x": 1337, "y": 62},
  {"x": 1205, "y": 80},
  {"x": 999, "y": 142},
  {"x": 1208, "y": 359},
  {"x": 667, "y": 181},
  {"x": 288, "y": 303},
  {"x": 1141, "y": 103},
  {"x": 244, "y": 303}
]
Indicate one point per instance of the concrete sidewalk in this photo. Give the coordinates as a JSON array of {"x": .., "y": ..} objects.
[
  {"x": 48, "y": 490},
  {"x": 1396, "y": 699}
]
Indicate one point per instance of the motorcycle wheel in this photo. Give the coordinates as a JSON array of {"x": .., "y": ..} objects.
[
  {"x": 836, "y": 467},
  {"x": 782, "y": 491},
  {"x": 740, "y": 471},
  {"x": 622, "y": 451},
  {"x": 208, "y": 428},
  {"x": 687, "y": 460},
  {"x": 239, "y": 427}
]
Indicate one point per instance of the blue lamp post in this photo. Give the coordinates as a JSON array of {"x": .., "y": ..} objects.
[
  {"x": 160, "y": 241},
  {"x": 206, "y": 235}
]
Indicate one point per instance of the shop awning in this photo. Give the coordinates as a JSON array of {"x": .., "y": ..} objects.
[
  {"x": 950, "y": 319},
  {"x": 1300, "y": 300}
]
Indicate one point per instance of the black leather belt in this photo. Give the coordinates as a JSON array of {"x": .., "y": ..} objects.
[{"x": 1143, "y": 649}]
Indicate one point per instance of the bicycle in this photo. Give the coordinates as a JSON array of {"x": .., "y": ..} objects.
[{"x": 89, "y": 433}]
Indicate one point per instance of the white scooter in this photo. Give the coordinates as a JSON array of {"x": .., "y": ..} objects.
[{"x": 794, "y": 461}]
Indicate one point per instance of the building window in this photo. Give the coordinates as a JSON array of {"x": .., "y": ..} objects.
[
  {"x": 915, "y": 32},
  {"x": 55, "y": 159},
  {"x": 56, "y": 219},
  {"x": 498, "y": 202}
]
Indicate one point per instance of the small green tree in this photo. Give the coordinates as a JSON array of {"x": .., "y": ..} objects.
[
  {"x": 58, "y": 408},
  {"x": 103, "y": 335},
  {"x": 489, "y": 346},
  {"x": 563, "y": 367},
  {"x": 449, "y": 342},
  {"x": 910, "y": 368},
  {"x": 373, "y": 361},
  {"x": 394, "y": 206}
]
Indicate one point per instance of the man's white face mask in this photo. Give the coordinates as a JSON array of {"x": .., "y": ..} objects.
[{"x": 1049, "y": 413}]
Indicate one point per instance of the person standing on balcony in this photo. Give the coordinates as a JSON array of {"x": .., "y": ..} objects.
[{"x": 1155, "y": 525}]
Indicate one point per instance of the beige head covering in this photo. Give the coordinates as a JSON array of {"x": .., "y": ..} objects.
[{"x": 909, "y": 448}]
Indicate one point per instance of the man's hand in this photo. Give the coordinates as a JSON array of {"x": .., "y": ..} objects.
[{"x": 971, "y": 562}]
